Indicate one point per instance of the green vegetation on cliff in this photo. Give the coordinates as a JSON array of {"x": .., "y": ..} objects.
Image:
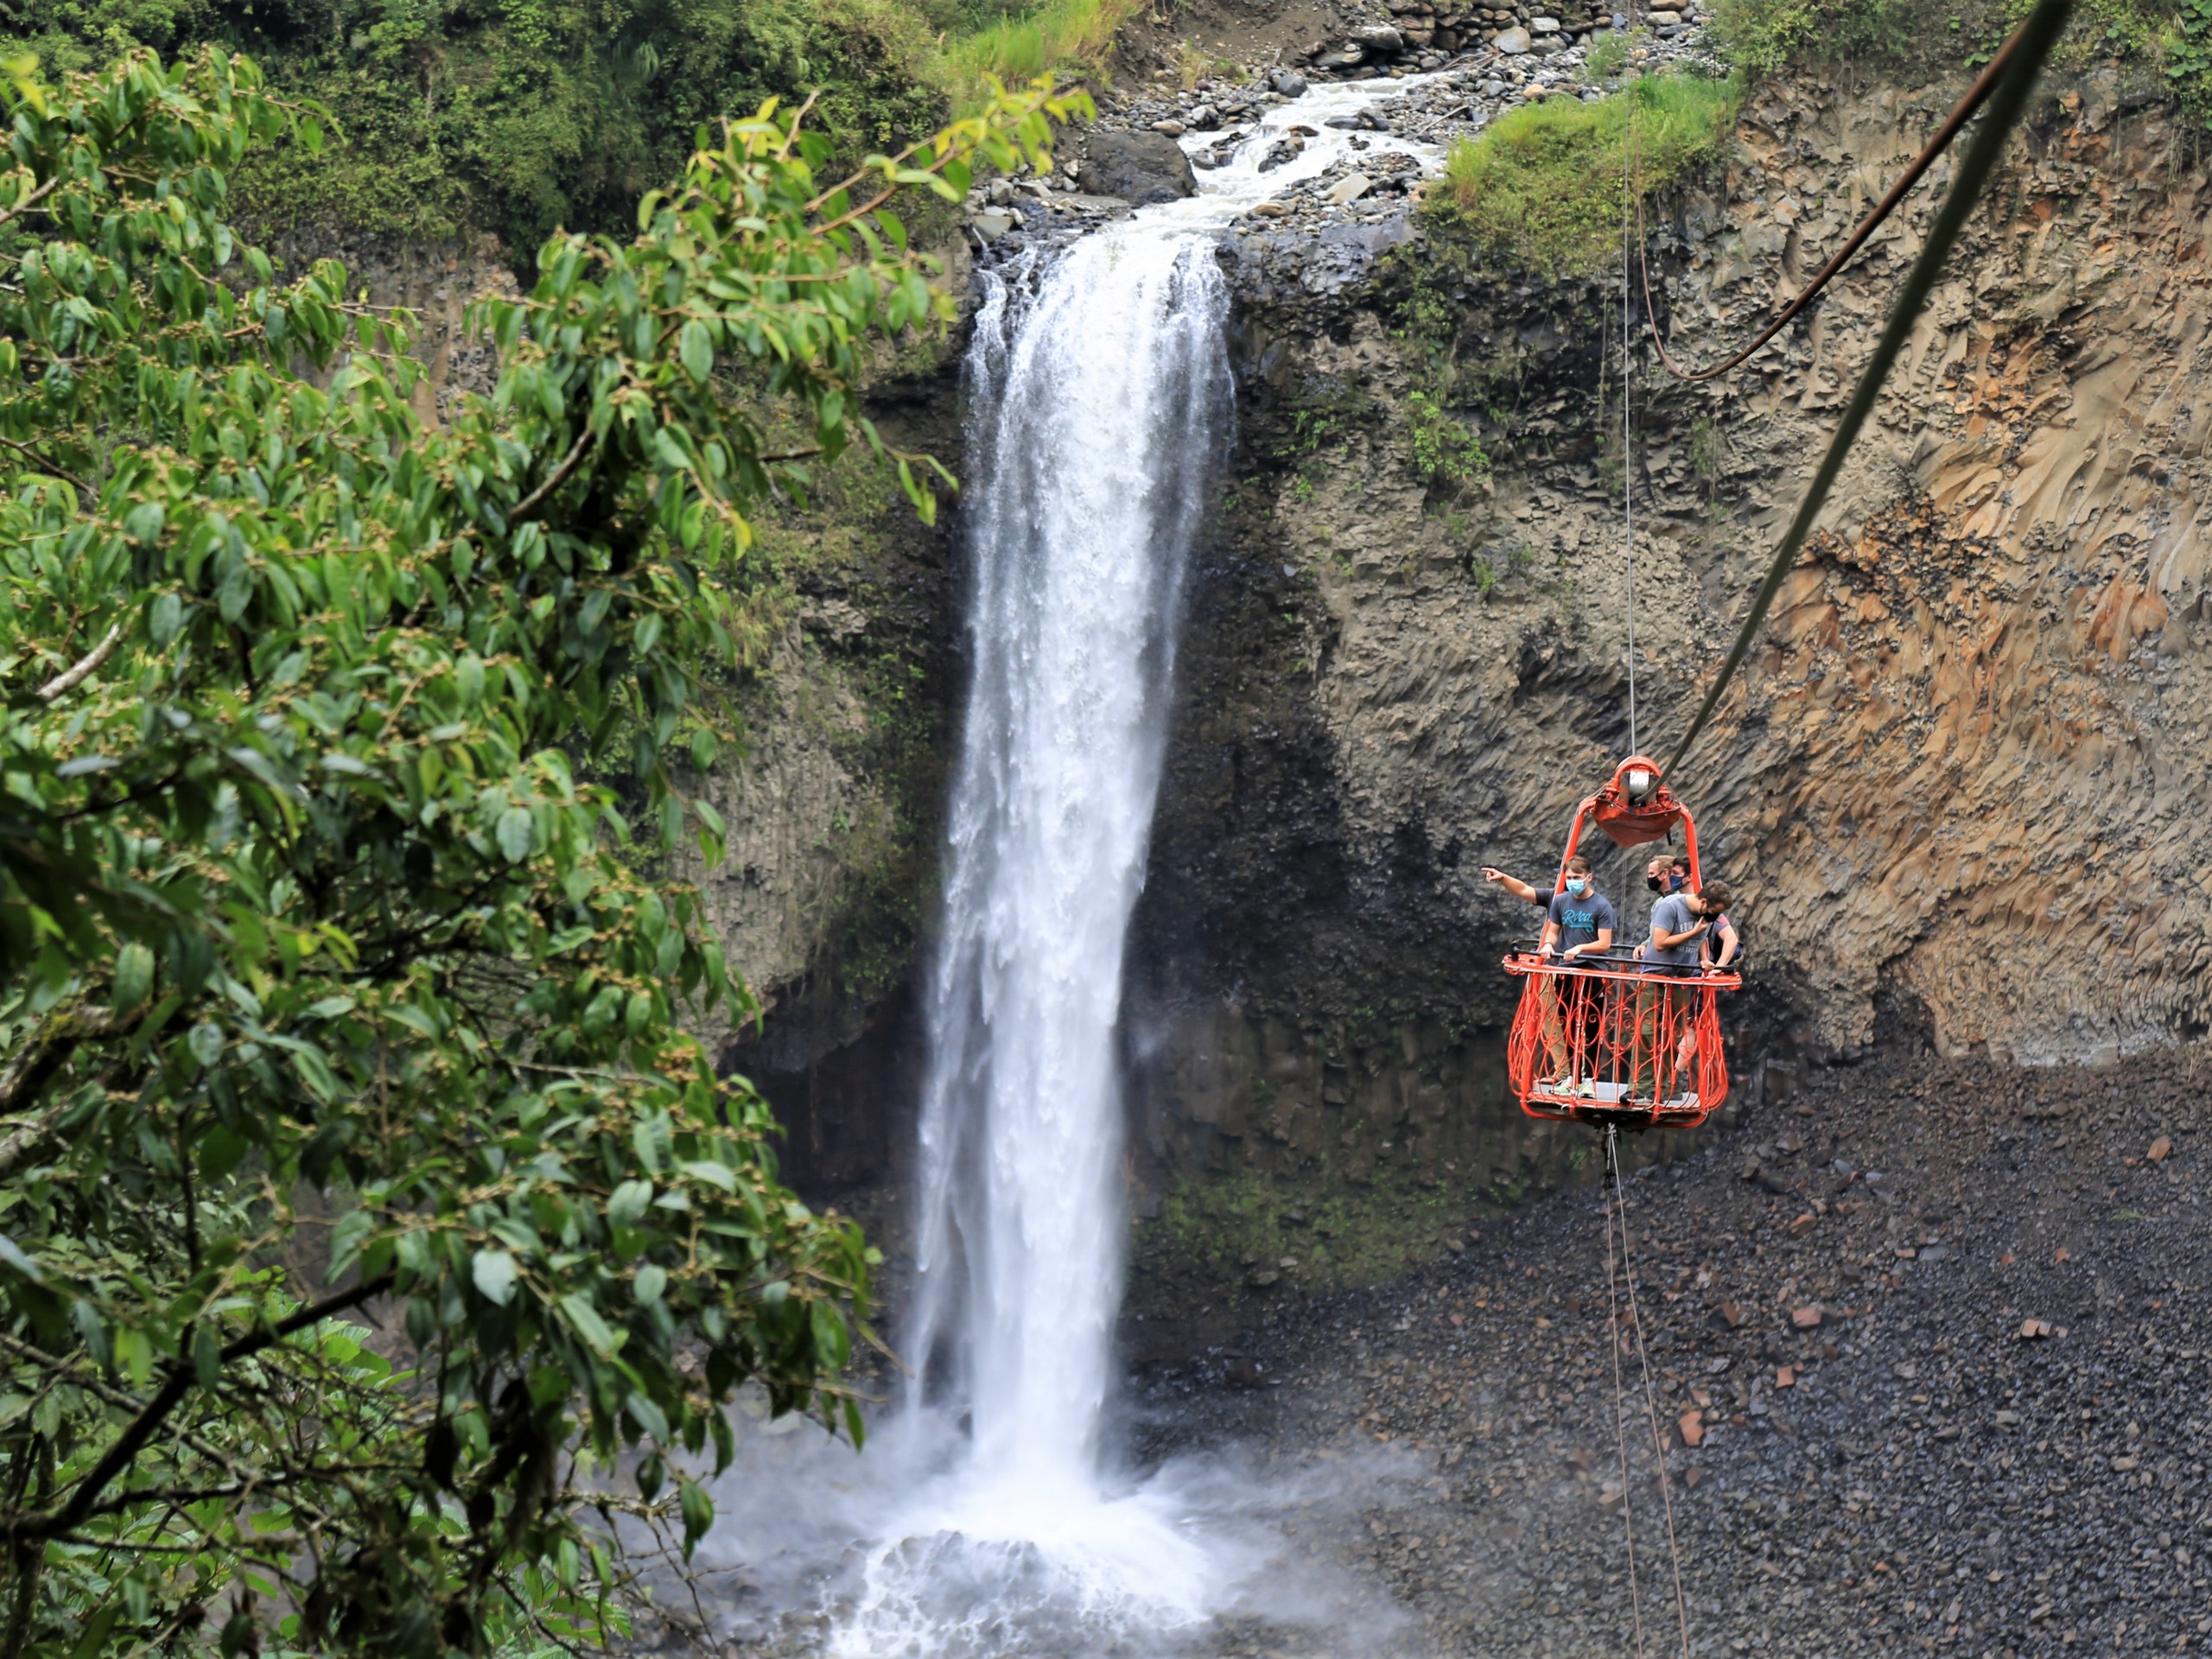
[
  {"x": 515, "y": 116},
  {"x": 1544, "y": 183}
]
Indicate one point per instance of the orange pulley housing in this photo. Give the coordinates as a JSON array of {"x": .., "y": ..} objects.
[{"x": 1620, "y": 1041}]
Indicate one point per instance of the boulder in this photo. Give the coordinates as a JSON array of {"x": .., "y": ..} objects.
[
  {"x": 1288, "y": 82},
  {"x": 1512, "y": 42},
  {"x": 1139, "y": 167},
  {"x": 1379, "y": 38}
]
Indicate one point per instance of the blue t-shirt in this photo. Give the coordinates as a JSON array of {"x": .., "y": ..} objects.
[
  {"x": 1672, "y": 914},
  {"x": 1580, "y": 919}
]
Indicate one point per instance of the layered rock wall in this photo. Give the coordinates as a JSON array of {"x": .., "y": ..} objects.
[
  {"x": 1965, "y": 760},
  {"x": 1960, "y": 776}
]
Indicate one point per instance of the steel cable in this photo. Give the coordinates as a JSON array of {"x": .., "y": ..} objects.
[
  {"x": 2030, "y": 46},
  {"x": 1977, "y": 95},
  {"x": 1620, "y": 1409}
]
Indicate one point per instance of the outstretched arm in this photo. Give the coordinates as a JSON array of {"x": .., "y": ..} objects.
[{"x": 1513, "y": 885}]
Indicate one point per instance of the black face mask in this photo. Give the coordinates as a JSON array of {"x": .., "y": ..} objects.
[{"x": 1658, "y": 884}]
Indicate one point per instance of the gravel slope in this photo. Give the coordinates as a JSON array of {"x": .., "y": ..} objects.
[{"x": 1927, "y": 1476}]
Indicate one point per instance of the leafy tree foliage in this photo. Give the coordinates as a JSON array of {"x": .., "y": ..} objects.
[
  {"x": 337, "y": 750},
  {"x": 517, "y": 115}
]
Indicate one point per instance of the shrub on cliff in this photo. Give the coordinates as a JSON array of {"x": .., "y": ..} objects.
[
  {"x": 519, "y": 117},
  {"x": 1544, "y": 183},
  {"x": 311, "y": 889},
  {"x": 1758, "y": 36}
]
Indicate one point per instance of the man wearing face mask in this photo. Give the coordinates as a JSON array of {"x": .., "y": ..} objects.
[
  {"x": 1578, "y": 924},
  {"x": 1672, "y": 949}
]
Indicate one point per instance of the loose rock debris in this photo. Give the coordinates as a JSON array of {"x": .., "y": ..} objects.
[{"x": 1986, "y": 1441}]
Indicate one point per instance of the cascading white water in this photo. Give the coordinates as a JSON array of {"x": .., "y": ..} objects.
[
  {"x": 1102, "y": 397},
  {"x": 1101, "y": 388}
]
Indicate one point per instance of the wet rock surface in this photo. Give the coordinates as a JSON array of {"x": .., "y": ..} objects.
[
  {"x": 1929, "y": 1344},
  {"x": 1138, "y": 167}
]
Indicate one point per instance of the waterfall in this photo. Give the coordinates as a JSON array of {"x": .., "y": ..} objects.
[
  {"x": 987, "y": 1518},
  {"x": 1100, "y": 393}
]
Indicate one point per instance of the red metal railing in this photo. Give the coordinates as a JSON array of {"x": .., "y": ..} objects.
[{"x": 1616, "y": 1043}]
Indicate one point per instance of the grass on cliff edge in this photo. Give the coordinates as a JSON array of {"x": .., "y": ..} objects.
[
  {"x": 1544, "y": 183},
  {"x": 1063, "y": 36}
]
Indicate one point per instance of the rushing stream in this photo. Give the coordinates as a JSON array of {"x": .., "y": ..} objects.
[{"x": 1100, "y": 383}]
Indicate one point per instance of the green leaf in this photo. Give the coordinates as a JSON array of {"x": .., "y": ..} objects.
[
  {"x": 495, "y": 1273},
  {"x": 205, "y": 1042},
  {"x": 626, "y": 1204},
  {"x": 593, "y": 1329},
  {"x": 698, "y": 1512},
  {"x": 206, "y": 1356},
  {"x": 515, "y": 834},
  {"x": 165, "y": 620},
  {"x": 12, "y": 1254},
  {"x": 698, "y": 350},
  {"x": 134, "y": 977}
]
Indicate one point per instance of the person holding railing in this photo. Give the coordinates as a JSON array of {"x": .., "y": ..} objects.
[
  {"x": 1672, "y": 951},
  {"x": 1579, "y": 924},
  {"x": 1719, "y": 950}
]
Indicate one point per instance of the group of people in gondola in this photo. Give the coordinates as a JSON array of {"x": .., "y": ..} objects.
[
  {"x": 1690, "y": 929},
  {"x": 1647, "y": 1035}
]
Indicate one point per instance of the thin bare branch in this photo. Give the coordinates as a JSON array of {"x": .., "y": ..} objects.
[
  {"x": 529, "y": 504},
  {"x": 42, "y": 464},
  {"x": 76, "y": 674}
]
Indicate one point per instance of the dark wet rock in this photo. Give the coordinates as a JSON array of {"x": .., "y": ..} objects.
[{"x": 1138, "y": 167}]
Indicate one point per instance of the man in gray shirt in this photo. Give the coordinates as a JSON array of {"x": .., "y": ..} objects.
[{"x": 1672, "y": 949}]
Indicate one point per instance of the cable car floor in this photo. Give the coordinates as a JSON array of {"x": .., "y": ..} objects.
[{"x": 1939, "y": 1333}]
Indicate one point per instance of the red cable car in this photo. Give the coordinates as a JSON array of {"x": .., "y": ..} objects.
[{"x": 1619, "y": 1044}]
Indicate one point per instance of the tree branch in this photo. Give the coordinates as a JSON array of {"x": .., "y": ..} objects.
[
  {"x": 529, "y": 504},
  {"x": 32, "y": 199},
  {"x": 128, "y": 1445},
  {"x": 79, "y": 671},
  {"x": 29, "y": 1073},
  {"x": 41, "y": 463}
]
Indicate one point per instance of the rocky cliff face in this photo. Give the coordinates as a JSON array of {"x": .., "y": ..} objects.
[
  {"x": 1963, "y": 771},
  {"x": 1964, "y": 760}
]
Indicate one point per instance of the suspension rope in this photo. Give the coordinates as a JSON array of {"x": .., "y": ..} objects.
[
  {"x": 1977, "y": 95},
  {"x": 1630, "y": 225},
  {"x": 2032, "y": 44},
  {"x": 1620, "y": 1409},
  {"x": 1650, "y": 1402}
]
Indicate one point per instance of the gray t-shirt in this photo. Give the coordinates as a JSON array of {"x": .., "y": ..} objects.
[
  {"x": 1672, "y": 914},
  {"x": 1579, "y": 920}
]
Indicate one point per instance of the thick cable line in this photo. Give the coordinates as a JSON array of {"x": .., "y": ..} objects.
[
  {"x": 1620, "y": 1409},
  {"x": 1632, "y": 226},
  {"x": 1977, "y": 95},
  {"x": 2033, "y": 44},
  {"x": 1650, "y": 1405}
]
